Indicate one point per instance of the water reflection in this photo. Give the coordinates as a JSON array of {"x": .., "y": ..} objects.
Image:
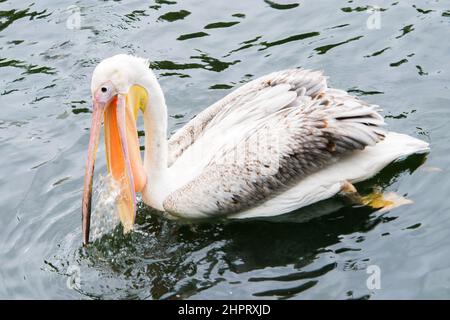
[
  {"x": 173, "y": 260},
  {"x": 328, "y": 47},
  {"x": 218, "y": 25},
  {"x": 192, "y": 35},
  {"x": 174, "y": 16},
  {"x": 28, "y": 68},
  {"x": 9, "y": 17},
  {"x": 281, "y": 6},
  {"x": 209, "y": 63}
]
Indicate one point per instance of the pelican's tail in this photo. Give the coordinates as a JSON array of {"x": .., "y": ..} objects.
[{"x": 401, "y": 145}]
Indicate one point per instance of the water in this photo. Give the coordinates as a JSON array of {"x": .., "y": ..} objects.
[{"x": 200, "y": 51}]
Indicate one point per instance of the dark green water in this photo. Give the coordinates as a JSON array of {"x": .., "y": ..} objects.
[{"x": 201, "y": 50}]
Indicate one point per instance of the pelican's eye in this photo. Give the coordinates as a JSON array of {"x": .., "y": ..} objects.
[{"x": 105, "y": 92}]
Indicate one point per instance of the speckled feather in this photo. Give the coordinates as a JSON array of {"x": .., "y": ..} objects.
[{"x": 292, "y": 125}]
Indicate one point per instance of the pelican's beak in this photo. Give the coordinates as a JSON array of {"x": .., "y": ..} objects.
[{"x": 122, "y": 153}]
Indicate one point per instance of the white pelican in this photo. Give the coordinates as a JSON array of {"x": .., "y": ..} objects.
[{"x": 278, "y": 143}]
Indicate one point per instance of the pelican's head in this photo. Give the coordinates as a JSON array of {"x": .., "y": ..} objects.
[{"x": 118, "y": 92}]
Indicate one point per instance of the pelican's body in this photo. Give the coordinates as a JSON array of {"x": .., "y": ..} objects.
[{"x": 278, "y": 143}]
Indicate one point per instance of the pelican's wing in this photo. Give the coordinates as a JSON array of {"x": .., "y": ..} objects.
[
  {"x": 255, "y": 99},
  {"x": 256, "y": 156}
]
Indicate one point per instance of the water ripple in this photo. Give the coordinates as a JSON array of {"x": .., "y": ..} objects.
[{"x": 200, "y": 52}]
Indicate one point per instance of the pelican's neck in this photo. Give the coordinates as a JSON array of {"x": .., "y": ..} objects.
[{"x": 156, "y": 152}]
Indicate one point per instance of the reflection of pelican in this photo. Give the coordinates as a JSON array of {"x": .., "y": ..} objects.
[{"x": 276, "y": 144}]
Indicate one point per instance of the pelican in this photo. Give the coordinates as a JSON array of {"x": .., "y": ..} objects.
[{"x": 276, "y": 144}]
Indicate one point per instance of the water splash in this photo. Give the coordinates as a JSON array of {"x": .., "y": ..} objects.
[{"x": 104, "y": 217}]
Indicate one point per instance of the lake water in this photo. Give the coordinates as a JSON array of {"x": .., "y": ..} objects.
[{"x": 396, "y": 56}]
